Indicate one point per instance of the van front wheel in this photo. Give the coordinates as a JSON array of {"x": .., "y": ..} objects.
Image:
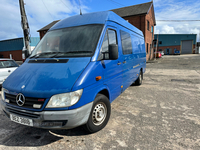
[
  {"x": 99, "y": 115},
  {"x": 139, "y": 79}
]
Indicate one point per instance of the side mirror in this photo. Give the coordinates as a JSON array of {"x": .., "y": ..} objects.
[{"x": 113, "y": 51}]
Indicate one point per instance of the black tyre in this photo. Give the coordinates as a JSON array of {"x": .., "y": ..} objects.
[
  {"x": 139, "y": 79},
  {"x": 99, "y": 114}
]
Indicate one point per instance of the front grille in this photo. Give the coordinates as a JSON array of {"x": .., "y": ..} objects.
[
  {"x": 29, "y": 101},
  {"x": 21, "y": 113}
]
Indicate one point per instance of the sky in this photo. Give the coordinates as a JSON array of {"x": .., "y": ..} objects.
[{"x": 42, "y": 12}]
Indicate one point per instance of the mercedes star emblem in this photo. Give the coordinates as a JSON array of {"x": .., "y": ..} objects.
[{"x": 20, "y": 99}]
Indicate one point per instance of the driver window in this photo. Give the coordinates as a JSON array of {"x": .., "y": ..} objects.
[{"x": 109, "y": 38}]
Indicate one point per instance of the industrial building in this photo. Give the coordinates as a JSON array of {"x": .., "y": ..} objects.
[
  {"x": 12, "y": 48},
  {"x": 168, "y": 43},
  {"x": 198, "y": 48},
  {"x": 141, "y": 16}
]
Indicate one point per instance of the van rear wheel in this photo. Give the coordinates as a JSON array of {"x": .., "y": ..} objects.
[
  {"x": 99, "y": 115},
  {"x": 139, "y": 79}
]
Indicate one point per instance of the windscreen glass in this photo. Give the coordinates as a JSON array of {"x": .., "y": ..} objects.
[
  {"x": 80, "y": 41},
  {"x": 7, "y": 64}
]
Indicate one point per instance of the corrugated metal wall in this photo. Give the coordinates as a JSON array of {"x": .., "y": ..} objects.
[
  {"x": 11, "y": 45},
  {"x": 174, "y": 39},
  {"x": 34, "y": 41},
  {"x": 16, "y": 44}
]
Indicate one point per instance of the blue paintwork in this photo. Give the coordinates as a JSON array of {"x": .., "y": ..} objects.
[{"x": 44, "y": 80}]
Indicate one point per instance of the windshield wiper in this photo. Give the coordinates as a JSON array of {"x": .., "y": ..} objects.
[
  {"x": 62, "y": 53},
  {"x": 40, "y": 54}
]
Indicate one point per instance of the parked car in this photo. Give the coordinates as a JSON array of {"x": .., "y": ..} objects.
[
  {"x": 7, "y": 66},
  {"x": 162, "y": 53},
  {"x": 157, "y": 54},
  {"x": 80, "y": 66}
]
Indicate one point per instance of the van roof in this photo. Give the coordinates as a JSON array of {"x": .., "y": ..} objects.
[{"x": 94, "y": 18}]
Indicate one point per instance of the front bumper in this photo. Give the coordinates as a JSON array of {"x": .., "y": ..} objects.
[{"x": 66, "y": 119}]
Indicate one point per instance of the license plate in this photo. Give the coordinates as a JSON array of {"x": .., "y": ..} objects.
[{"x": 21, "y": 120}]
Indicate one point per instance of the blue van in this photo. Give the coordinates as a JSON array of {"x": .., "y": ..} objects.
[{"x": 79, "y": 67}]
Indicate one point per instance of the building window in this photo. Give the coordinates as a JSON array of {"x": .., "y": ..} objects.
[
  {"x": 126, "y": 43},
  {"x": 151, "y": 29},
  {"x": 147, "y": 25},
  {"x": 147, "y": 48}
]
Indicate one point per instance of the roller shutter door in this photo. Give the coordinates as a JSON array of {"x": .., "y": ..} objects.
[{"x": 186, "y": 47}]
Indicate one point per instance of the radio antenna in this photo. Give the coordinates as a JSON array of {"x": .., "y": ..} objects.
[{"x": 80, "y": 7}]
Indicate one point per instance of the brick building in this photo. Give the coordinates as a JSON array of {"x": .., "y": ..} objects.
[
  {"x": 186, "y": 43},
  {"x": 141, "y": 16},
  {"x": 44, "y": 30}
]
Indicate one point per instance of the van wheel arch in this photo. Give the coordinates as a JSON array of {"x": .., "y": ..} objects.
[
  {"x": 141, "y": 70},
  {"x": 140, "y": 78},
  {"x": 99, "y": 115},
  {"x": 105, "y": 92}
]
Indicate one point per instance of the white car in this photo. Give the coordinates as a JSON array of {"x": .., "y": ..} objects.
[
  {"x": 7, "y": 66},
  {"x": 162, "y": 52}
]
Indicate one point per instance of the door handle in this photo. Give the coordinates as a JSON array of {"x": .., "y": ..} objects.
[
  {"x": 124, "y": 62},
  {"x": 119, "y": 63}
]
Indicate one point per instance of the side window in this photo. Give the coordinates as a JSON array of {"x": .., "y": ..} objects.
[
  {"x": 126, "y": 42},
  {"x": 147, "y": 25},
  {"x": 104, "y": 47},
  {"x": 147, "y": 48},
  {"x": 109, "y": 38},
  {"x": 112, "y": 37}
]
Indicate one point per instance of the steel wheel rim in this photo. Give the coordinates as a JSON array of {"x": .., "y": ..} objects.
[{"x": 99, "y": 114}]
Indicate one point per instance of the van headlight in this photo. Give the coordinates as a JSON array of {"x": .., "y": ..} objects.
[{"x": 65, "y": 99}]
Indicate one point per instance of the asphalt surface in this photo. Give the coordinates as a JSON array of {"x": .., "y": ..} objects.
[{"x": 162, "y": 113}]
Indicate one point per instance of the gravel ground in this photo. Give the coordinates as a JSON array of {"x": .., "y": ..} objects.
[{"x": 162, "y": 113}]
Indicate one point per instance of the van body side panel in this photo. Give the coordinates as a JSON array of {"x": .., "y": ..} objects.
[
  {"x": 113, "y": 70},
  {"x": 113, "y": 77},
  {"x": 143, "y": 55},
  {"x": 137, "y": 51},
  {"x": 88, "y": 77},
  {"x": 129, "y": 70},
  {"x": 130, "y": 61}
]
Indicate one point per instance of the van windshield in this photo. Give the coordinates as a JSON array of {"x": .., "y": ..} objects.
[{"x": 79, "y": 41}]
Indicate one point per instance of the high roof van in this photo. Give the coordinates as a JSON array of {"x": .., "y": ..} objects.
[{"x": 78, "y": 68}]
